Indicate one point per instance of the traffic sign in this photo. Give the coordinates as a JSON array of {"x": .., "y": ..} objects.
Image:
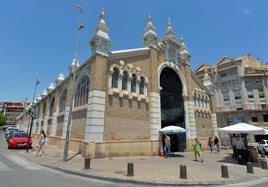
[{"x": 32, "y": 113}]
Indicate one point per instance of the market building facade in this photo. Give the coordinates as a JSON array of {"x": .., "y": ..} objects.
[{"x": 123, "y": 98}]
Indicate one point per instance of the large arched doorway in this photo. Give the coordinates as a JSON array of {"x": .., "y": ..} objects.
[{"x": 172, "y": 107}]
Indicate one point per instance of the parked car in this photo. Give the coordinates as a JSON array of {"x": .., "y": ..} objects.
[
  {"x": 263, "y": 146},
  {"x": 10, "y": 130},
  {"x": 19, "y": 140}
]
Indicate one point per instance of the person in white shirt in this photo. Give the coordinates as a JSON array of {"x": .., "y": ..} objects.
[
  {"x": 41, "y": 143},
  {"x": 167, "y": 146}
]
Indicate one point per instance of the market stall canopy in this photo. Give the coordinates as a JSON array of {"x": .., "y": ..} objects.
[
  {"x": 242, "y": 128},
  {"x": 172, "y": 130}
]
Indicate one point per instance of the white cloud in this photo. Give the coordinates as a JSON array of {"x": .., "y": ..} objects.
[{"x": 246, "y": 11}]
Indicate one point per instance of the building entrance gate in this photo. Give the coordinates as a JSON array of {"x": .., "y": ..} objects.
[{"x": 172, "y": 107}]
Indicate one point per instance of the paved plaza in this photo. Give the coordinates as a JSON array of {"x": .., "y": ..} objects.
[{"x": 154, "y": 169}]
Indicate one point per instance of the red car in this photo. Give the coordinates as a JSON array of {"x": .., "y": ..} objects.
[{"x": 19, "y": 140}]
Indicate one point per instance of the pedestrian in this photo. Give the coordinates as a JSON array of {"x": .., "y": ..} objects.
[
  {"x": 167, "y": 146},
  {"x": 217, "y": 145},
  {"x": 197, "y": 149},
  {"x": 210, "y": 144},
  {"x": 41, "y": 143},
  {"x": 238, "y": 144}
]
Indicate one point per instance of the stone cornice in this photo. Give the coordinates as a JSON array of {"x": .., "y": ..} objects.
[{"x": 128, "y": 53}]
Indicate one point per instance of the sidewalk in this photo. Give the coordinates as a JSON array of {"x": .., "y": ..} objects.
[{"x": 152, "y": 170}]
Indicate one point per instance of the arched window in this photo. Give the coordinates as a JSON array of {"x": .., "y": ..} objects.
[
  {"x": 81, "y": 95},
  {"x": 133, "y": 83},
  {"x": 51, "y": 106},
  {"x": 62, "y": 102},
  {"x": 115, "y": 78},
  {"x": 44, "y": 109},
  {"x": 142, "y": 84},
  {"x": 124, "y": 81}
]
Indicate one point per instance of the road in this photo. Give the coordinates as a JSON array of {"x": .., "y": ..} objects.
[{"x": 17, "y": 171}]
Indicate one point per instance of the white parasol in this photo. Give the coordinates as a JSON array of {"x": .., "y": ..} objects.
[
  {"x": 242, "y": 128},
  {"x": 172, "y": 130}
]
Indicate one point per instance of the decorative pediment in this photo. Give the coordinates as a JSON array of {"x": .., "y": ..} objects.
[
  {"x": 202, "y": 68},
  {"x": 224, "y": 60}
]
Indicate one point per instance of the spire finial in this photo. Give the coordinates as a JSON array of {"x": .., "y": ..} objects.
[
  {"x": 182, "y": 39},
  {"x": 102, "y": 26},
  {"x": 149, "y": 24},
  {"x": 169, "y": 28},
  {"x": 102, "y": 15},
  {"x": 183, "y": 46},
  {"x": 149, "y": 18}
]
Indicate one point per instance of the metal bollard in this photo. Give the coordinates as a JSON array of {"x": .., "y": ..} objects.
[
  {"x": 249, "y": 167},
  {"x": 87, "y": 163},
  {"x": 263, "y": 164},
  {"x": 130, "y": 169},
  {"x": 183, "y": 172},
  {"x": 224, "y": 171}
]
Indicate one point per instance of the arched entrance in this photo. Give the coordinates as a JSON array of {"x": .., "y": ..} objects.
[{"x": 172, "y": 106}]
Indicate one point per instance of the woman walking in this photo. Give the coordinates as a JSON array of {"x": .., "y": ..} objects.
[
  {"x": 217, "y": 145},
  {"x": 210, "y": 144},
  {"x": 197, "y": 149},
  {"x": 41, "y": 143}
]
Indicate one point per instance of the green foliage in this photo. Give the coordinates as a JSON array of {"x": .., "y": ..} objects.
[{"x": 3, "y": 119}]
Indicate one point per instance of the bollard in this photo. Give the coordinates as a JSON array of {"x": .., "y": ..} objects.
[
  {"x": 224, "y": 171},
  {"x": 183, "y": 172},
  {"x": 263, "y": 164},
  {"x": 130, "y": 169},
  {"x": 249, "y": 167},
  {"x": 87, "y": 163}
]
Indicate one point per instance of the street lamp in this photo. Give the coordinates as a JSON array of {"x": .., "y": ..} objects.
[
  {"x": 31, "y": 115},
  {"x": 67, "y": 138}
]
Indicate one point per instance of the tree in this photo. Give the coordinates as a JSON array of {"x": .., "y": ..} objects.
[{"x": 3, "y": 119}]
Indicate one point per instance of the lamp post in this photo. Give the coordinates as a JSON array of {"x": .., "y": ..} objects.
[
  {"x": 67, "y": 138},
  {"x": 31, "y": 115}
]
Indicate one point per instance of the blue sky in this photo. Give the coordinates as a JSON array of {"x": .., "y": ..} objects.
[{"x": 38, "y": 38}]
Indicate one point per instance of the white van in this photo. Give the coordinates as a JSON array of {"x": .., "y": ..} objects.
[{"x": 10, "y": 130}]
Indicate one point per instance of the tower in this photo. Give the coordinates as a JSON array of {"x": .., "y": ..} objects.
[
  {"x": 100, "y": 42},
  {"x": 150, "y": 38}
]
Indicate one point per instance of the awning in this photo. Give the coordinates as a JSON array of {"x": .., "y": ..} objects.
[{"x": 242, "y": 128}]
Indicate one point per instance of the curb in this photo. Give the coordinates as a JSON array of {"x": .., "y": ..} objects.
[
  {"x": 151, "y": 183},
  {"x": 58, "y": 165}
]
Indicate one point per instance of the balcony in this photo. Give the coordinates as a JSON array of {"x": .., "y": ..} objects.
[{"x": 255, "y": 70}]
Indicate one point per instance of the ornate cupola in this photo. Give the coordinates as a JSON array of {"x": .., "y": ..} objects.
[
  {"x": 172, "y": 45},
  {"x": 207, "y": 82},
  {"x": 150, "y": 38},
  {"x": 184, "y": 54},
  {"x": 100, "y": 42}
]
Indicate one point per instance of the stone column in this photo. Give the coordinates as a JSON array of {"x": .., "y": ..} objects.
[{"x": 155, "y": 113}]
